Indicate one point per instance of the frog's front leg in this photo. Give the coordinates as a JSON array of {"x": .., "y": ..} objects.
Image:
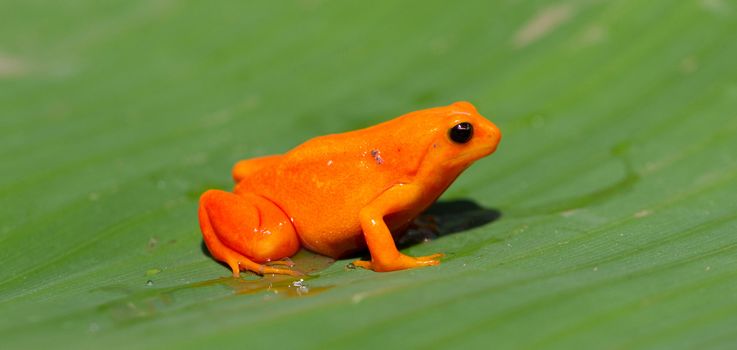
[
  {"x": 384, "y": 253},
  {"x": 246, "y": 230}
]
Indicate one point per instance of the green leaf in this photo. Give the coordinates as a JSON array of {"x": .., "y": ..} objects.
[{"x": 614, "y": 185}]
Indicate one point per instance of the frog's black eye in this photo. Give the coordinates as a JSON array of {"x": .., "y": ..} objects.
[{"x": 461, "y": 133}]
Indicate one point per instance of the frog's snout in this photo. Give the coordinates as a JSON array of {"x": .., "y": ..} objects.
[
  {"x": 491, "y": 137},
  {"x": 496, "y": 135}
]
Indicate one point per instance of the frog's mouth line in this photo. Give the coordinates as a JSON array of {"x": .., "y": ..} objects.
[{"x": 473, "y": 155}]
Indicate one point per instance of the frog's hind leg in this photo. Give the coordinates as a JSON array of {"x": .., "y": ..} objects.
[
  {"x": 245, "y": 231},
  {"x": 246, "y": 167}
]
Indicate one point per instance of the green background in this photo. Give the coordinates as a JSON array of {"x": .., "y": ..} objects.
[{"x": 616, "y": 179}]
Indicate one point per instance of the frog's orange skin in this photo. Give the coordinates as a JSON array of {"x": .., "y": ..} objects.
[{"x": 338, "y": 194}]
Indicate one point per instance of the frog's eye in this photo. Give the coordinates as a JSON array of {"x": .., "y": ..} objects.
[{"x": 461, "y": 133}]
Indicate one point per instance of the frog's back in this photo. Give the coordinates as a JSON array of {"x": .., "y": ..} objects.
[{"x": 324, "y": 183}]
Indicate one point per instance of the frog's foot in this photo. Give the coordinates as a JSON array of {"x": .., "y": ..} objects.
[
  {"x": 288, "y": 263},
  {"x": 401, "y": 262},
  {"x": 238, "y": 262},
  {"x": 262, "y": 269},
  {"x": 244, "y": 230}
]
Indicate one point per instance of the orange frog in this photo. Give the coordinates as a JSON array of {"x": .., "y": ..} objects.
[{"x": 338, "y": 194}]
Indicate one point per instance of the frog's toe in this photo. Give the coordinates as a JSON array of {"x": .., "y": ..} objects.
[
  {"x": 287, "y": 263},
  {"x": 363, "y": 264},
  {"x": 433, "y": 257},
  {"x": 264, "y": 269},
  {"x": 427, "y": 262},
  {"x": 233, "y": 264}
]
